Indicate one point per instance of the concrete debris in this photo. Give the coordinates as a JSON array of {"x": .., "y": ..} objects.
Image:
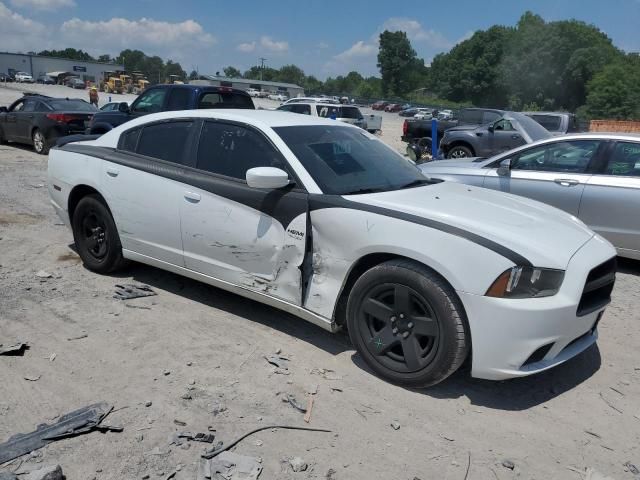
[
  {"x": 32, "y": 378},
  {"x": 180, "y": 423},
  {"x": 508, "y": 464},
  {"x": 129, "y": 291},
  {"x": 232, "y": 466},
  {"x": 179, "y": 438},
  {"x": 43, "y": 274},
  {"x": 186, "y": 396},
  {"x": 46, "y": 473},
  {"x": 294, "y": 403},
  {"x": 278, "y": 361},
  {"x": 298, "y": 464},
  {"x": 52, "y": 357},
  {"x": 78, "y": 337},
  {"x": 156, "y": 451},
  {"x": 592, "y": 474},
  {"x": 148, "y": 403},
  {"x": 74, "y": 423},
  {"x": 395, "y": 425},
  {"x": 8, "y": 476},
  {"x": 14, "y": 348},
  {"x": 632, "y": 468},
  {"x": 217, "y": 408},
  {"x": 307, "y": 415},
  {"x": 330, "y": 474}
]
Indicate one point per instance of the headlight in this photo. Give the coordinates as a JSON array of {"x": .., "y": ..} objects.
[{"x": 526, "y": 282}]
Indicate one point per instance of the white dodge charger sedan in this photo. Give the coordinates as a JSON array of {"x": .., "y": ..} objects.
[{"x": 323, "y": 220}]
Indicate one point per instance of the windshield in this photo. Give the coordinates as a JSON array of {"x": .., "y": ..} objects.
[
  {"x": 528, "y": 127},
  {"x": 72, "y": 105},
  {"x": 345, "y": 160}
]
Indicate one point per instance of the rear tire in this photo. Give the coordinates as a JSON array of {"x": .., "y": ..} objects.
[
  {"x": 40, "y": 143},
  {"x": 96, "y": 235},
  {"x": 408, "y": 324},
  {"x": 460, "y": 151}
]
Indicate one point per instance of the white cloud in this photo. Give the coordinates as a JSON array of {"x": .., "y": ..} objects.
[
  {"x": 247, "y": 47},
  {"x": 123, "y": 33},
  {"x": 323, "y": 45},
  {"x": 416, "y": 33},
  {"x": 273, "y": 46},
  {"x": 19, "y": 33},
  {"x": 358, "y": 49},
  {"x": 43, "y": 4}
]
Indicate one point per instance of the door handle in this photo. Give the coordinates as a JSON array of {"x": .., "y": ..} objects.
[
  {"x": 112, "y": 172},
  {"x": 192, "y": 197},
  {"x": 566, "y": 182},
  {"x": 516, "y": 137}
]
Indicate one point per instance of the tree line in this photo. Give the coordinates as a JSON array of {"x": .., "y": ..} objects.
[{"x": 153, "y": 67}]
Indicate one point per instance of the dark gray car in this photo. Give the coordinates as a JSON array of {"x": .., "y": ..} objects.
[
  {"x": 595, "y": 177},
  {"x": 510, "y": 131}
]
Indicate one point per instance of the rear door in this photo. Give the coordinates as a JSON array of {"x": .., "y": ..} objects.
[
  {"x": 554, "y": 173},
  {"x": 10, "y": 125},
  {"x": 144, "y": 190},
  {"x": 242, "y": 235},
  {"x": 611, "y": 200}
]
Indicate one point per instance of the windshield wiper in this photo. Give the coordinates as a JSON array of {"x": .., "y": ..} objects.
[{"x": 362, "y": 190}]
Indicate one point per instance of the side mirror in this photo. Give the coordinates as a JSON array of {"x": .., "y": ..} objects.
[
  {"x": 267, "y": 177},
  {"x": 414, "y": 152},
  {"x": 491, "y": 128},
  {"x": 123, "y": 107},
  {"x": 505, "y": 167},
  {"x": 4, "y": 109}
]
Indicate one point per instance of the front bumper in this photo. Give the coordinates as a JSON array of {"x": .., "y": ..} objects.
[{"x": 518, "y": 337}]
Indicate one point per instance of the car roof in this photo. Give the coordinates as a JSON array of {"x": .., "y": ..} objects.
[{"x": 263, "y": 119}]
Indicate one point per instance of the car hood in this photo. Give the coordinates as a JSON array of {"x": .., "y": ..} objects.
[
  {"x": 544, "y": 235},
  {"x": 462, "y": 128}
]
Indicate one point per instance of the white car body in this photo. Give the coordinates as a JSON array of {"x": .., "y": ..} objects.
[
  {"x": 297, "y": 254},
  {"x": 279, "y": 97},
  {"x": 343, "y": 113},
  {"x": 253, "y": 92},
  {"x": 22, "y": 77}
]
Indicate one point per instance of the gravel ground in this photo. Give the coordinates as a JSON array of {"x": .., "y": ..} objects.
[{"x": 196, "y": 340}]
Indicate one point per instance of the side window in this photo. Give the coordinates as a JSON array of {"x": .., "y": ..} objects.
[
  {"x": 304, "y": 109},
  {"x": 489, "y": 117},
  {"x": 625, "y": 160},
  {"x": 150, "y": 101},
  {"x": 18, "y": 107},
  {"x": 326, "y": 111},
  {"x": 287, "y": 108},
  {"x": 29, "y": 105},
  {"x": 503, "y": 125},
  {"x": 571, "y": 157},
  {"x": 41, "y": 107},
  {"x": 129, "y": 140},
  {"x": 165, "y": 141},
  {"x": 178, "y": 99},
  {"x": 231, "y": 150},
  {"x": 550, "y": 122}
]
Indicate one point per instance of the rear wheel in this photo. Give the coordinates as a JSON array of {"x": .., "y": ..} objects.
[
  {"x": 407, "y": 323},
  {"x": 40, "y": 144},
  {"x": 460, "y": 151},
  {"x": 96, "y": 235}
]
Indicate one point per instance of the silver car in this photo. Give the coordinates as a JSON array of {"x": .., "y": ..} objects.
[{"x": 595, "y": 177}]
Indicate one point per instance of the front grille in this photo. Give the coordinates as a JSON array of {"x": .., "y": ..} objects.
[{"x": 598, "y": 288}]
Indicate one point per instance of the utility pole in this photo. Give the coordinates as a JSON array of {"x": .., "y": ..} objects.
[{"x": 262, "y": 60}]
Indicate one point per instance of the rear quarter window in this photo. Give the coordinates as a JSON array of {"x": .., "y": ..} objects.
[
  {"x": 225, "y": 100},
  {"x": 129, "y": 140},
  {"x": 550, "y": 122},
  {"x": 166, "y": 141}
]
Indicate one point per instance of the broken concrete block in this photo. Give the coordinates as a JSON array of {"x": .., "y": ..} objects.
[{"x": 53, "y": 472}]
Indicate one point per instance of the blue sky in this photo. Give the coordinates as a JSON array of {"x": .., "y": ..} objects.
[{"x": 327, "y": 37}]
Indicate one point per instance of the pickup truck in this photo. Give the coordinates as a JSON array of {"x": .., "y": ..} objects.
[
  {"x": 162, "y": 98},
  {"x": 416, "y": 131},
  {"x": 558, "y": 123}
]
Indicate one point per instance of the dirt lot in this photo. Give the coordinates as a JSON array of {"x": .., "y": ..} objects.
[{"x": 195, "y": 339}]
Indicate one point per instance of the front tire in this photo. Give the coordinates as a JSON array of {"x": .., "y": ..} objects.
[
  {"x": 96, "y": 236},
  {"x": 460, "y": 151},
  {"x": 407, "y": 323}
]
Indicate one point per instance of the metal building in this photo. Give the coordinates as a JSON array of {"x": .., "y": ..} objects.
[
  {"x": 290, "y": 89},
  {"x": 55, "y": 67}
]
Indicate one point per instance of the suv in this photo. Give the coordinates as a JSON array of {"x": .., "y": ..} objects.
[
  {"x": 343, "y": 113},
  {"x": 161, "y": 98}
]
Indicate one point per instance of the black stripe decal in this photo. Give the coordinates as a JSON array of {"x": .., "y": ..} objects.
[
  {"x": 318, "y": 202},
  {"x": 283, "y": 204}
]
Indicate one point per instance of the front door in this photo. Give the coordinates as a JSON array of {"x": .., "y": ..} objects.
[
  {"x": 150, "y": 101},
  {"x": 230, "y": 231},
  {"x": 503, "y": 137},
  {"x": 555, "y": 173},
  {"x": 143, "y": 186},
  {"x": 611, "y": 199}
]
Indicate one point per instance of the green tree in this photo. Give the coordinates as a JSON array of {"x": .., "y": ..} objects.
[
  {"x": 396, "y": 59},
  {"x": 106, "y": 58},
  {"x": 614, "y": 92},
  {"x": 174, "y": 68},
  {"x": 193, "y": 75},
  {"x": 232, "y": 72},
  {"x": 267, "y": 73},
  {"x": 70, "y": 53}
]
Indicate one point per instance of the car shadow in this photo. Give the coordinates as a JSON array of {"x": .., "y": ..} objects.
[
  {"x": 257, "y": 312},
  {"x": 516, "y": 394},
  {"x": 629, "y": 266}
]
